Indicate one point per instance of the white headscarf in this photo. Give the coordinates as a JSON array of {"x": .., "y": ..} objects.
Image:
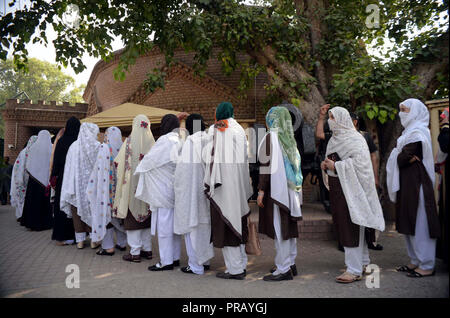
[
  {"x": 80, "y": 161},
  {"x": 113, "y": 137},
  {"x": 131, "y": 153},
  {"x": 19, "y": 178},
  {"x": 101, "y": 183},
  {"x": 416, "y": 129},
  {"x": 38, "y": 163},
  {"x": 355, "y": 171}
]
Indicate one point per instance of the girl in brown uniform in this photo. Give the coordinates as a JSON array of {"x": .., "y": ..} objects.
[{"x": 410, "y": 180}]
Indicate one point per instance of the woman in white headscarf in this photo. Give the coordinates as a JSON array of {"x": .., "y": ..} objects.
[
  {"x": 101, "y": 195},
  {"x": 19, "y": 179},
  {"x": 79, "y": 164},
  {"x": 156, "y": 187},
  {"x": 410, "y": 182},
  {"x": 37, "y": 214},
  {"x": 353, "y": 195},
  {"x": 135, "y": 213}
]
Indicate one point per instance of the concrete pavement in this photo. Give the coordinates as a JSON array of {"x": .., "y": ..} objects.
[{"x": 31, "y": 265}]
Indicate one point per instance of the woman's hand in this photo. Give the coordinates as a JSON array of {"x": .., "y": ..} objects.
[
  {"x": 323, "y": 111},
  {"x": 414, "y": 158},
  {"x": 260, "y": 199},
  {"x": 329, "y": 164}
]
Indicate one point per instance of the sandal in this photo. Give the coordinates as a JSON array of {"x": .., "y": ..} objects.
[
  {"x": 104, "y": 252},
  {"x": 415, "y": 274},
  {"x": 348, "y": 278},
  {"x": 405, "y": 268}
]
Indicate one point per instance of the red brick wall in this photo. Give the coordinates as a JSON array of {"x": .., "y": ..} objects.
[
  {"x": 181, "y": 93},
  {"x": 111, "y": 93},
  {"x": 32, "y": 117},
  {"x": 23, "y": 134}
]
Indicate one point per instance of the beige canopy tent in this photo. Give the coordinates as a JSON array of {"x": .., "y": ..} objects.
[{"x": 123, "y": 115}]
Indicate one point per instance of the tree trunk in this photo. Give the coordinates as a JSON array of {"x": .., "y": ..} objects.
[{"x": 283, "y": 73}]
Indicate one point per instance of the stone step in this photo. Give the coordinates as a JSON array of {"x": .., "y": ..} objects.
[{"x": 316, "y": 224}]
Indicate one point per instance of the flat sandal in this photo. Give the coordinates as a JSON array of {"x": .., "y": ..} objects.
[
  {"x": 354, "y": 278},
  {"x": 405, "y": 268}
]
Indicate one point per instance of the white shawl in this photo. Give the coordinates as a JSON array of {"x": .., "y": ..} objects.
[
  {"x": 80, "y": 161},
  {"x": 227, "y": 174},
  {"x": 192, "y": 214},
  {"x": 156, "y": 172},
  {"x": 416, "y": 129},
  {"x": 38, "y": 163},
  {"x": 19, "y": 178},
  {"x": 99, "y": 191},
  {"x": 279, "y": 190},
  {"x": 132, "y": 151},
  {"x": 355, "y": 171}
]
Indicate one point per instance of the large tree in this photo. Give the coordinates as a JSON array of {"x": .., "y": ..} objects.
[
  {"x": 313, "y": 51},
  {"x": 43, "y": 81}
]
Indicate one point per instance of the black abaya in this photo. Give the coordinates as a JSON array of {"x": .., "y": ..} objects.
[
  {"x": 37, "y": 215},
  {"x": 63, "y": 228}
]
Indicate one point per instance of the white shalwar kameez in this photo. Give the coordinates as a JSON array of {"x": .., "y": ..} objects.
[
  {"x": 192, "y": 216},
  {"x": 155, "y": 187}
]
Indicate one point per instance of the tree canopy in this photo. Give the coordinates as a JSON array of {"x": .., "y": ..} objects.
[{"x": 311, "y": 50}]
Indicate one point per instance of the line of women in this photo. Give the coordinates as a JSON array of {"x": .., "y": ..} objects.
[{"x": 196, "y": 184}]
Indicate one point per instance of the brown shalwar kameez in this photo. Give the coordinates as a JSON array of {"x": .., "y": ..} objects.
[
  {"x": 78, "y": 224},
  {"x": 222, "y": 233},
  {"x": 347, "y": 231},
  {"x": 130, "y": 223},
  {"x": 412, "y": 176},
  {"x": 289, "y": 227}
]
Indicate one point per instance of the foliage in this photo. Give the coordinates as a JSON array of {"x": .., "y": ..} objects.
[{"x": 225, "y": 29}]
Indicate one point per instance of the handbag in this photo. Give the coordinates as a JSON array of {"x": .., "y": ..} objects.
[{"x": 253, "y": 246}]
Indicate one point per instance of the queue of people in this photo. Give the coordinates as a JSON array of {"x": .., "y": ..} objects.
[{"x": 194, "y": 183}]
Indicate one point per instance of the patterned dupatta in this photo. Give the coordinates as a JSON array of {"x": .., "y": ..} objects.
[
  {"x": 131, "y": 153},
  {"x": 19, "y": 178}
]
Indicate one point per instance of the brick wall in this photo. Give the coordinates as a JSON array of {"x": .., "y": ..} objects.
[
  {"x": 23, "y": 119},
  {"x": 182, "y": 92}
]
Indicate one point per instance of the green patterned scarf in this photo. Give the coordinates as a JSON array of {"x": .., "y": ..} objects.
[{"x": 279, "y": 120}]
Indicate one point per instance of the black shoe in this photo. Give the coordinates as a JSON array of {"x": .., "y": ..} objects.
[
  {"x": 341, "y": 248},
  {"x": 187, "y": 270},
  {"x": 146, "y": 255},
  {"x": 176, "y": 263},
  {"x": 121, "y": 248},
  {"x": 279, "y": 277},
  {"x": 377, "y": 247},
  {"x": 293, "y": 269},
  {"x": 158, "y": 267},
  {"x": 206, "y": 267},
  {"x": 104, "y": 252},
  {"x": 224, "y": 275}
]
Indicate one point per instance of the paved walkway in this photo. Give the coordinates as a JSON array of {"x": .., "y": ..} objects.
[{"x": 31, "y": 265}]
